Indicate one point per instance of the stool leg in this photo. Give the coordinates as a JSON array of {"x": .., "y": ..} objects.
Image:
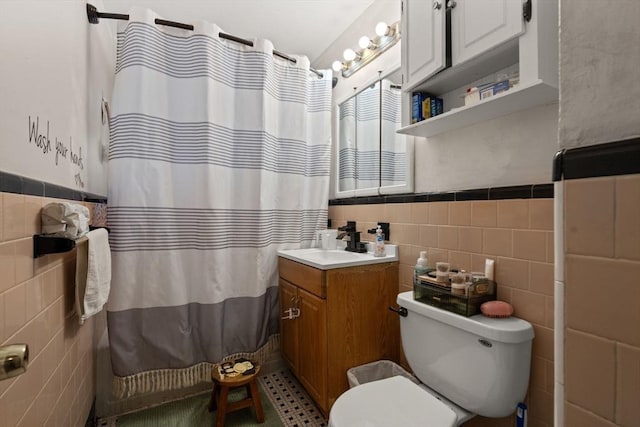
[
  {"x": 215, "y": 392},
  {"x": 222, "y": 406},
  {"x": 257, "y": 403}
]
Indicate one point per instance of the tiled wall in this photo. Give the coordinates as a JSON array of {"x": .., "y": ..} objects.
[
  {"x": 36, "y": 307},
  {"x": 517, "y": 233},
  {"x": 602, "y": 301}
]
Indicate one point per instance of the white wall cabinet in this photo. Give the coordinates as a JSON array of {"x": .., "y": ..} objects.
[
  {"x": 478, "y": 26},
  {"x": 423, "y": 25},
  {"x": 481, "y": 39}
]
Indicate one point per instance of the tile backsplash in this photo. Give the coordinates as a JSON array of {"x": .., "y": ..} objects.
[
  {"x": 37, "y": 308},
  {"x": 516, "y": 233}
]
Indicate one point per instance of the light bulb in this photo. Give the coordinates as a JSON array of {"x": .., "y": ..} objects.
[
  {"x": 337, "y": 66},
  {"x": 364, "y": 42},
  {"x": 381, "y": 29},
  {"x": 349, "y": 55}
]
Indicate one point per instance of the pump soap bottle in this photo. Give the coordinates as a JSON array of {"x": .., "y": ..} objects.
[
  {"x": 422, "y": 267},
  {"x": 379, "y": 248}
]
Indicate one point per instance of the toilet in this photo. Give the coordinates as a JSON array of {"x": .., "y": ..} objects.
[{"x": 467, "y": 366}]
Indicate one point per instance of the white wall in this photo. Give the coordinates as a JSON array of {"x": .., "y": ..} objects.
[
  {"x": 517, "y": 149},
  {"x": 599, "y": 62},
  {"x": 49, "y": 76}
]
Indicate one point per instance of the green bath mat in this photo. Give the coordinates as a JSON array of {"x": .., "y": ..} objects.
[{"x": 193, "y": 412}]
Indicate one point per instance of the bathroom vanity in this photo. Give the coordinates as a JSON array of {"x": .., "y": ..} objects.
[{"x": 335, "y": 317}]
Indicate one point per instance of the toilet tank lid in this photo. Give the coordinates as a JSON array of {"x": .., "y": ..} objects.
[{"x": 507, "y": 330}]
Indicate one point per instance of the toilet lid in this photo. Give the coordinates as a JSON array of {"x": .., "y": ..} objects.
[{"x": 394, "y": 401}]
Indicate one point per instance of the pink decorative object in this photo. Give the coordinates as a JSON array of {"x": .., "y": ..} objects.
[{"x": 496, "y": 309}]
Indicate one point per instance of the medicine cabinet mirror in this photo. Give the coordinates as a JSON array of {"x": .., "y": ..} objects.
[{"x": 372, "y": 158}]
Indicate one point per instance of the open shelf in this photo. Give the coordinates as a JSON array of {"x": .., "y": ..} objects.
[{"x": 520, "y": 98}]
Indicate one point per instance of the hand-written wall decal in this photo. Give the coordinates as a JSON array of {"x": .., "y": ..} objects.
[{"x": 41, "y": 140}]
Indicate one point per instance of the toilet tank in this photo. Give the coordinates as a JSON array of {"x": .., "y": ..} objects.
[{"x": 479, "y": 363}]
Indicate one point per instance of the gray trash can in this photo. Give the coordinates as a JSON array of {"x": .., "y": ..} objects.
[{"x": 375, "y": 371}]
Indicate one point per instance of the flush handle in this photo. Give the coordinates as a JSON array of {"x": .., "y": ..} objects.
[
  {"x": 13, "y": 360},
  {"x": 400, "y": 310}
]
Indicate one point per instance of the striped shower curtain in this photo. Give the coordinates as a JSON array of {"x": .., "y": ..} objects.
[{"x": 219, "y": 156}]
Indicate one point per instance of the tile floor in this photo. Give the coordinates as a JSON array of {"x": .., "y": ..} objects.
[{"x": 293, "y": 404}]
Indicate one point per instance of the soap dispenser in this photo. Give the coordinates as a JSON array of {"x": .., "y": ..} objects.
[
  {"x": 379, "y": 247},
  {"x": 422, "y": 267}
]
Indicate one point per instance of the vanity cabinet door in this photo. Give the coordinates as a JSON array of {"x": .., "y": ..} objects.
[
  {"x": 312, "y": 347},
  {"x": 478, "y": 26},
  {"x": 288, "y": 327},
  {"x": 423, "y": 44}
]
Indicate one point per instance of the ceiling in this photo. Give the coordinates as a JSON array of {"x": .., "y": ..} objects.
[{"x": 304, "y": 27}]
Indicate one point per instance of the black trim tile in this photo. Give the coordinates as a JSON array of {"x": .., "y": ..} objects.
[
  {"x": 479, "y": 194},
  {"x": 515, "y": 192},
  {"x": 442, "y": 197},
  {"x": 421, "y": 197},
  {"x": 498, "y": 193},
  {"x": 32, "y": 187},
  {"x": 374, "y": 200},
  {"x": 608, "y": 159},
  {"x": 397, "y": 198},
  {"x": 52, "y": 190},
  {"x": 10, "y": 183},
  {"x": 542, "y": 191}
]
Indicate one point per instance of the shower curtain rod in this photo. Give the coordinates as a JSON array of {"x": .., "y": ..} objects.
[{"x": 93, "y": 15}]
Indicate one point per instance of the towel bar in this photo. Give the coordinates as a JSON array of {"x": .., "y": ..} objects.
[{"x": 44, "y": 244}]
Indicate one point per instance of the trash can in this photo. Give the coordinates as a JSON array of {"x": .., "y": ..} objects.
[{"x": 375, "y": 371}]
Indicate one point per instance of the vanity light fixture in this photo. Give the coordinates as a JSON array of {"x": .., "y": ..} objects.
[
  {"x": 350, "y": 55},
  {"x": 386, "y": 36},
  {"x": 383, "y": 30},
  {"x": 366, "y": 43},
  {"x": 338, "y": 66}
]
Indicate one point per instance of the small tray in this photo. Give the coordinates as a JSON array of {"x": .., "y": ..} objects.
[{"x": 443, "y": 298}]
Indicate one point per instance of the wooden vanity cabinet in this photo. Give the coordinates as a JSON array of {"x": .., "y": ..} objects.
[{"x": 343, "y": 321}]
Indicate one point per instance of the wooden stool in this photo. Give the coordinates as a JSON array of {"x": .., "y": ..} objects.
[{"x": 220, "y": 393}]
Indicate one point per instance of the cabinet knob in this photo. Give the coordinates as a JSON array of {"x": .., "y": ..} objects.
[
  {"x": 451, "y": 4},
  {"x": 437, "y": 5}
]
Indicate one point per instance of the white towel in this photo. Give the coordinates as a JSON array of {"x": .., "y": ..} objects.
[
  {"x": 65, "y": 219},
  {"x": 93, "y": 273}
]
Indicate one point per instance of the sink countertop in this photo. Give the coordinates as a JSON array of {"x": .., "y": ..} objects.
[{"x": 327, "y": 259}]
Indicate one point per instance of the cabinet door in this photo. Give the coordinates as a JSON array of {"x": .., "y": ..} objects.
[
  {"x": 478, "y": 26},
  {"x": 312, "y": 347},
  {"x": 288, "y": 327},
  {"x": 423, "y": 39}
]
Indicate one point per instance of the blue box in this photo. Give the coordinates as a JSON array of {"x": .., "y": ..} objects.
[
  {"x": 416, "y": 107},
  {"x": 500, "y": 87},
  {"x": 437, "y": 106}
]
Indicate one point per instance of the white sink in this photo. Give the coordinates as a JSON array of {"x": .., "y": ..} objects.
[{"x": 325, "y": 259}]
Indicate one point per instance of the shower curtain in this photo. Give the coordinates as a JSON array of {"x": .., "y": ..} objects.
[{"x": 219, "y": 156}]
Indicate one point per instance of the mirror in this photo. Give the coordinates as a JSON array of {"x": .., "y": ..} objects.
[
  {"x": 372, "y": 157},
  {"x": 368, "y": 137}
]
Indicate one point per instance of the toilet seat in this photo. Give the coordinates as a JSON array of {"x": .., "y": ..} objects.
[{"x": 394, "y": 401}]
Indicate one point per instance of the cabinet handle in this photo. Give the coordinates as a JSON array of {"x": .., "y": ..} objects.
[
  {"x": 451, "y": 4},
  {"x": 437, "y": 5}
]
